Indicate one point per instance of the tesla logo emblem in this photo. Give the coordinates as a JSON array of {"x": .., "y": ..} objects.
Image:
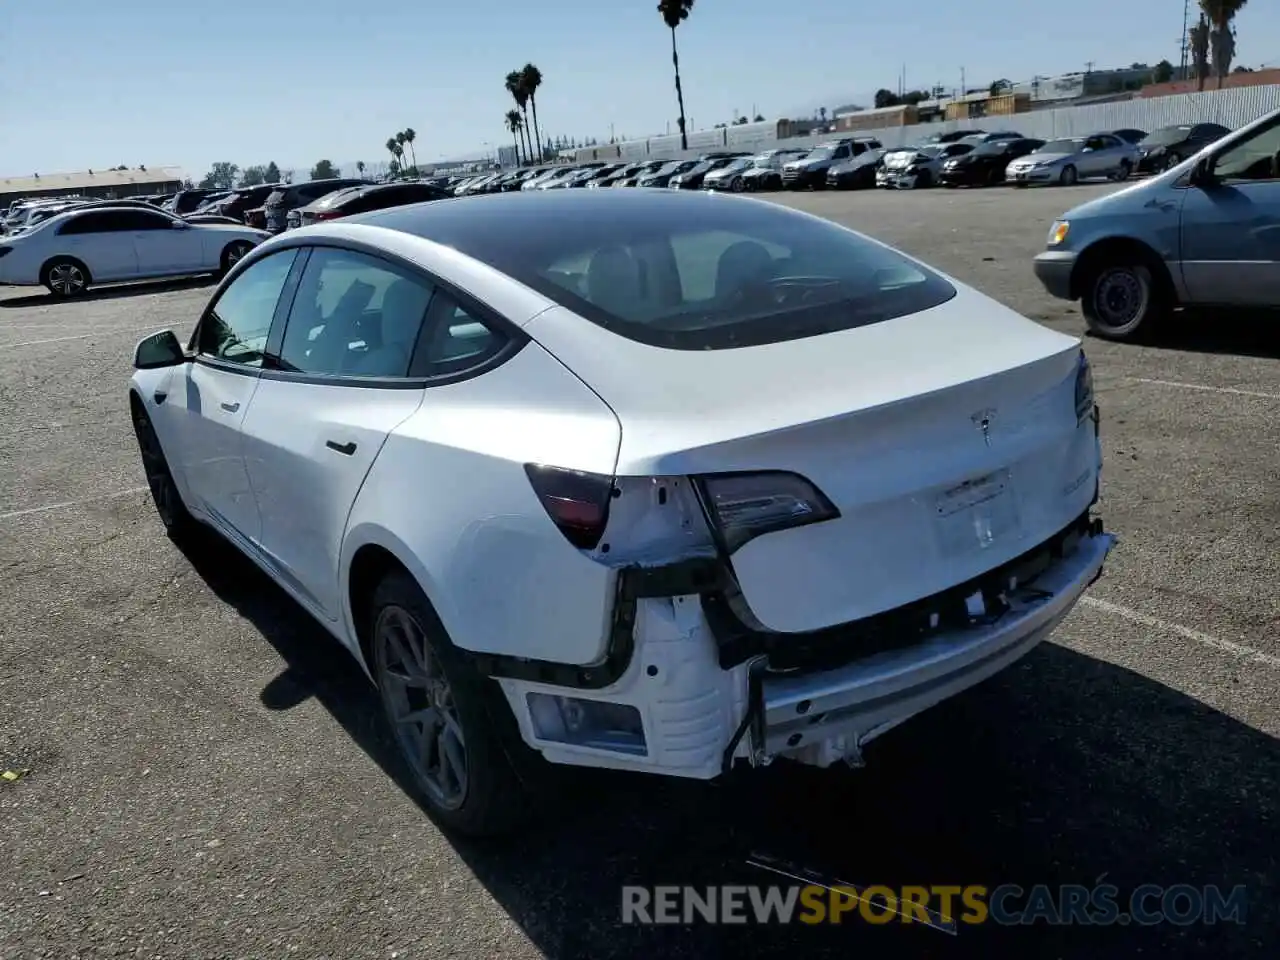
[{"x": 982, "y": 420}]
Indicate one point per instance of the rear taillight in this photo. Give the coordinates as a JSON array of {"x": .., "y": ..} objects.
[
  {"x": 576, "y": 502},
  {"x": 743, "y": 506}
]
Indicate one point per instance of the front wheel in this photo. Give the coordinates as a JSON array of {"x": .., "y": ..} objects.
[
  {"x": 1126, "y": 168},
  {"x": 233, "y": 254},
  {"x": 443, "y": 716},
  {"x": 736, "y": 185},
  {"x": 1120, "y": 301},
  {"x": 1069, "y": 177},
  {"x": 173, "y": 513},
  {"x": 1172, "y": 161}
]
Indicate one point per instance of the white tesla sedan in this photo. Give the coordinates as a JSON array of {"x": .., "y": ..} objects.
[
  {"x": 656, "y": 481},
  {"x": 92, "y": 244}
]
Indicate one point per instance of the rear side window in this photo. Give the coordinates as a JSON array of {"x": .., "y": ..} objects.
[
  {"x": 701, "y": 275},
  {"x": 354, "y": 316}
]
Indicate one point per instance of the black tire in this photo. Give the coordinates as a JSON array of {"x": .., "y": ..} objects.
[
  {"x": 1125, "y": 171},
  {"x": 736, "y": 185},
  {"x": 924, "y": 180},
  {"x": 1171, "y": 161},
  {"x": 1123, "y": 299},
  {"x": 1069, "y": 176},
  {"x": 494, "y": 800},
  {"x": 232, "y": 254},
  {"x": 180, "y": 526},
  {"x": 65, "y": 277}
]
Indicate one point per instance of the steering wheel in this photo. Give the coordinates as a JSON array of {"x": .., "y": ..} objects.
[{"x": 792, "y": 291}]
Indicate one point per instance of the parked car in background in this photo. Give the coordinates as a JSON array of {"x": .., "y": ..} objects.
[
  {"x": 1167, "y": 147},
  {"x": 186, "y": 201},
  {"x": 729, "y": 176},
  {"x": 346, "y": 203},
  {"x": 83, "y": 247},
  {"x": 243, "y": 199},
  {"x": 212, "y": 200},
  {"x": 499, "y": 439},
  {"x": 662, "y": 176},
  {"x": 692, "y": 178},
  {"x": 571, "y": 176},
  {"x": 1201, "y": 234},
  {"x": 1130, "y": 135},
  {"x": 765, "y": 172},
  {"x": 976, "y": 138},
  {"x": 986, "y": 163},
  {"x": 612, "y": 178},
  {"x": 642, "y": 170},
  {"x": 859, "y": 172},
  {"x": 920, "y": 166},
  {"x": 953, "y": 136},
  {"x": 1071, "y": 159},
  {"x": 532, "y": 183},
  {"x": 288, "y": 197},
  {"x": 810, "y": 171}
]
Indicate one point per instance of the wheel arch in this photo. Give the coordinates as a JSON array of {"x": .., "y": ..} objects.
[
  {"x": 1114, "y": 248},
  {"x": 50, "y": 261},
  {"x": 371, "y": 554}
]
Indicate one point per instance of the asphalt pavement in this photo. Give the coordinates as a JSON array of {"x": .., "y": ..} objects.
[{"x": 200, "y": 772}]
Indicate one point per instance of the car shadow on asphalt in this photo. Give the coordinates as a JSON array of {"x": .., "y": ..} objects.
[
  {"x": 1064, "y": 769},
  {"x": 1227, "y": 331},
  {"x": 112, "y": 292}
]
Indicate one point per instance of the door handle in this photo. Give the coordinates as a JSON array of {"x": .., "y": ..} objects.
[
  {"x": 346, "y": 449},
  {"x": 230, "y": 407}
]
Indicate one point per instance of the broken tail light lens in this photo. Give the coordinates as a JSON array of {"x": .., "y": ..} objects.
[
  {"x": 576, "y": 502},
  {"x": 743, "y": 506}
]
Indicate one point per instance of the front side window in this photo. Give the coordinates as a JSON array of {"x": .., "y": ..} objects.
[
  {"x": 720, "y": 277},
  {"x": 354, "y": 316},
  {"x": 1257, "y": 158},
  {"x": 235, "y": 328}
]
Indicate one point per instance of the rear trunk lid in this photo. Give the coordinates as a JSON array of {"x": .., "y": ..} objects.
[{"x": 887, "y": 421}]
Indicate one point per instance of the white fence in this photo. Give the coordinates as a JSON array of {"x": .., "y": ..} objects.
[{"x": 1232, "y": 108}]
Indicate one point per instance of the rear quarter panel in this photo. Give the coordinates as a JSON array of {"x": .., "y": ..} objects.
[{"x": 448, "y": 495}]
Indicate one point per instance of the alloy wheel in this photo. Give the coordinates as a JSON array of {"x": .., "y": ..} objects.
[
  {"x": 419, "y": 702},
  {"x": 236, "y": 252},
  {"x": 66, "y": 279}
]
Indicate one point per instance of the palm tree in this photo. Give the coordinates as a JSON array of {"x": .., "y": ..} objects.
[
  {"x": 400, "y": 142},
  {"x": 391, "y": 146},
  {"x": 531, "y": 79},
  {"x": 360, "y": 167},
  {"x": 674, "y": 13},
  {"x": 515, "y": 125},
  {"x": 515, "y": 86},
  {"x": 1198, "y": 42},
  {"x": 399, "y": 154},
  {"x": 409, "y": 137},
  {"x": 1222, "y": 39}
]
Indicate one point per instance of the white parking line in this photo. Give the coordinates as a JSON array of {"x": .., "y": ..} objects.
[
  {"x": 1207, "y": 389},
  {"x": 1195, "y": 636},
  {"x": 79, "y": 336},
  {"x": 14, "y": 514}
]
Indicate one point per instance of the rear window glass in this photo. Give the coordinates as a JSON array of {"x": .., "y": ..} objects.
[{"x": 697, "y": 275}]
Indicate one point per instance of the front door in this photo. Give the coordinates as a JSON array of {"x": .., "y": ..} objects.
[
  {"x": 165, "y": 245},
  {"x": 102, "y": 240},
  {"x": 1230, "y": 228},
  {"x": 337, "y": 387},
  {"x": 207, "y": 404}
]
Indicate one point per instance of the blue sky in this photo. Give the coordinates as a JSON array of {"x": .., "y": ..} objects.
[{"x": 95, "y": 84}]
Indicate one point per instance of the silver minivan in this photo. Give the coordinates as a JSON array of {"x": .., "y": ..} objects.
[{"x": 1204, "y": 233}]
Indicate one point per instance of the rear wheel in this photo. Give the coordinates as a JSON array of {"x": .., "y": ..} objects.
[
  {"x": 444, "y": 716},
  {"x": 1122, "y": 299},
  {"x": 65, "y": 277}
]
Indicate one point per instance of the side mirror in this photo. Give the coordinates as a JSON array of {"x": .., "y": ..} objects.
[
  {"x": 158, "y": 350},
  {"x": 181, "y": 225}
]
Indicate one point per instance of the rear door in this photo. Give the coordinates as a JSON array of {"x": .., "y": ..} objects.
[
  {"x": 103, "y": 241},
  {"x": 338, "y": 385}
]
